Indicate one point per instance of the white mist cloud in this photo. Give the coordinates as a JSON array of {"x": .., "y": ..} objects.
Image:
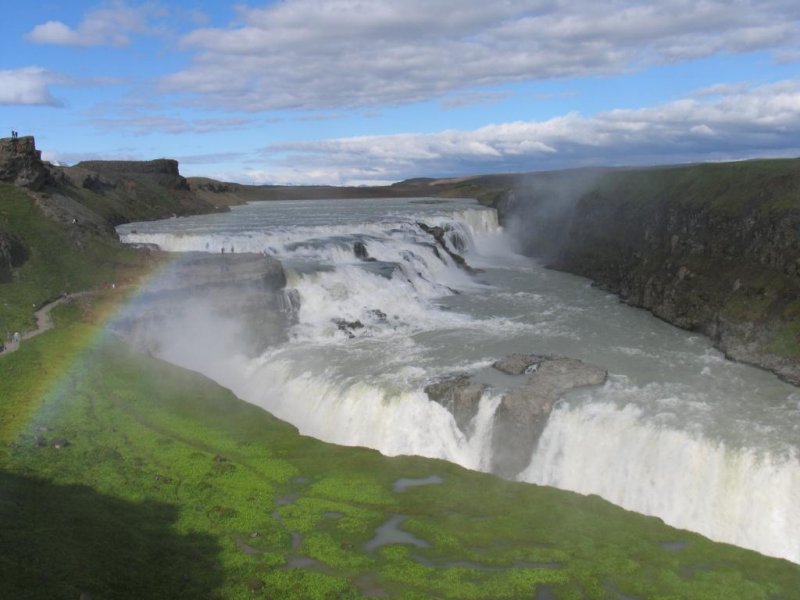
[
  {"x": 110, "y": 25},
  {"x": 28, "y": 86},
  {"x": 321, "y": 54},
  {"x": 745, "y": 122}
]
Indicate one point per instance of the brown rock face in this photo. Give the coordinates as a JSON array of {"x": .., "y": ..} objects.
[
  {"x": 21, "y": 163},
  {"x": 459, "y": 395},
  {"x": 162, "y": 171},
  {"x": 522, "y": 414}
]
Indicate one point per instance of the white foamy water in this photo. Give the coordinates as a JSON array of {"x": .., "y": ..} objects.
[{"x": 677, "y": 432}]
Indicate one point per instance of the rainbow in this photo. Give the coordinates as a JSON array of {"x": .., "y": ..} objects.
[{"x": 39, "y": 377}]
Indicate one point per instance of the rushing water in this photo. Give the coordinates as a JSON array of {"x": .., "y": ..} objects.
[{"x": 677, "y": 431}]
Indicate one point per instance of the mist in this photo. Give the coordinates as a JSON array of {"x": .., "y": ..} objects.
[{"x": 539, "y": 209}]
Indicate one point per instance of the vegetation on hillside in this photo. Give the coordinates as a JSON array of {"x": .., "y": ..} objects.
[{"x": 60, "y": 258}]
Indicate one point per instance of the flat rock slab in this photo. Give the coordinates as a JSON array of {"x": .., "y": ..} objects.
[{"x": 517, "y": 364}]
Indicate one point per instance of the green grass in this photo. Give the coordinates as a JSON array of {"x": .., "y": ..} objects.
[
  {"x": 61, "y": 259},
  {"x": 171, "y": 487},
  {"x": 769, "y": 187}
]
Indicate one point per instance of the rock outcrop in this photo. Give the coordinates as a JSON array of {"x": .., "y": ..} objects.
[
  {"x": 438, "y": 234},
  {"x": 103, "y": 173},
  {"x": 522, "y": 414},
  {"x": 523, "y": 411},
  {"x": 21, "y": 163},
  {"x": 460, "y": 395}
]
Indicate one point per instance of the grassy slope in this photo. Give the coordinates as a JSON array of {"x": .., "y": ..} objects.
[
  {"x": 171, "y": 487},
  {"x": 61, "y": 259}
]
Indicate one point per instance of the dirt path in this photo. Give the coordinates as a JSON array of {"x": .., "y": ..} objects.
[{"x": 43, "y": 321}]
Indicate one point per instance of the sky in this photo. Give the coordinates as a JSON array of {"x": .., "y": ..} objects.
[{"x": 358, "y": 92}]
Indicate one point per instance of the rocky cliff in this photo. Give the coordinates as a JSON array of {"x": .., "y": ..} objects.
[
  {"x": 21, "y": 163},
  {"x": 710, "y": 248},
  {"x": 162, "y": 171},
  {"x": 207, "y": 302}
]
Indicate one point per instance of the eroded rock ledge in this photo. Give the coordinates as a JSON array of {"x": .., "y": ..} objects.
[
  {"x": 213, "y": 297},
  {"x": 524, "y": 410}
]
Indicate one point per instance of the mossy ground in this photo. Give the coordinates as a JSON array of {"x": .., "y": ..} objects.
[{"x": 170, "y": 487}]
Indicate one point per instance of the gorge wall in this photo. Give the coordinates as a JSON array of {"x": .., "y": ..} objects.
[{"x": 710, "y": 248}]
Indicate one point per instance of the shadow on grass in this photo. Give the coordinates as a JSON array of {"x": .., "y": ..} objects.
[{"x": 68, "y": 541}]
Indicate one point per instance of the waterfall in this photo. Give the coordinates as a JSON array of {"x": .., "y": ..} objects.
[
  {"x": 736, "y": 495},
  {"x": 384, "y": 297}
]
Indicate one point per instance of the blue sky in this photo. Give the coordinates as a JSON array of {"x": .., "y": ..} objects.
[{"x": 375, "y": 91}]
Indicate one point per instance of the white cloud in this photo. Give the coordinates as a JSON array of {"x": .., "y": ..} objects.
[
  {"x": 745, "y": 123},
  {"x": 110, "y": 25},
  {"x": 28, "y": 86},
  {"x": 472, "y": 99},
  {"x": 142, "y": 124},
  {"x": 322, "y": 54}
]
